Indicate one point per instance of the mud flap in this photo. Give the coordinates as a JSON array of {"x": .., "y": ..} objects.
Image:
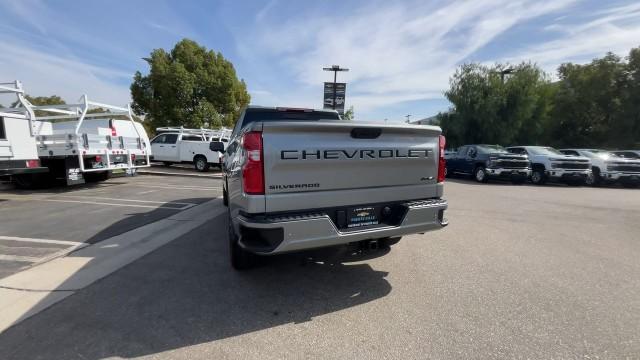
[{"x": 73, "y": 175}]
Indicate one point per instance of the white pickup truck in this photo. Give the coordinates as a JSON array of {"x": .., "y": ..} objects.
[{"x": 188, "y": 146}]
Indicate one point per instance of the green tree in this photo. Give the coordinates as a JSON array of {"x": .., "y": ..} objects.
[
  {"x": 42, "y": 100},
  {"x": 189, "y": 86},
  {"x": 493, "y": 107},
  {"x": 590, "y": 104},
  {"x": 349, "y": 114}
]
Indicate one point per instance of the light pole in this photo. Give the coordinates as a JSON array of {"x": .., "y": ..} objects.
[
  {"x": 335, "y": 69},
  {"x": 506, "y": 71},
  {"x": 408, "y": 116}
]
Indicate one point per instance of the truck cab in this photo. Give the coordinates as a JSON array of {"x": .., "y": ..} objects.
[{"x": 484, "y": 162}]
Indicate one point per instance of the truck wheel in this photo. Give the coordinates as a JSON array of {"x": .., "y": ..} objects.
[
  {"x": 225, "y": 197},
  {"x": 594, "y": 178},
  {"x": 201, "y": 164},
  {"x": 480, "y": 174},
  {"x": 167, "y": 163},
  {"x": 538, "y": 177},
  {"x": 240, "y": 258}
]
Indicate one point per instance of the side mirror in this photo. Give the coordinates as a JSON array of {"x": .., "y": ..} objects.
[{"x": 216, "y": 146}]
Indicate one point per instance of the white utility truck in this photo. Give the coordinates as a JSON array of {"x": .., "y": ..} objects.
[
  {"x": 179, "y": 145},
  {"x": 78, "y": 142},
  {"x": 18, "y": 151}
]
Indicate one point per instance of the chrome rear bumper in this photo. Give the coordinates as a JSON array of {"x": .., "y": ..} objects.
[{"x": 303, "y": 232}]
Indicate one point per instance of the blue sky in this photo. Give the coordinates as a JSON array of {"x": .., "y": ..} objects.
[{"x": 401, "y": 53}]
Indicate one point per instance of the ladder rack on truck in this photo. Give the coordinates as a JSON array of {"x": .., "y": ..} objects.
[
  {"x": 18, "y": 154},
  {"x": 209, "y": 134},
  {"x": 74, "y": 139}
]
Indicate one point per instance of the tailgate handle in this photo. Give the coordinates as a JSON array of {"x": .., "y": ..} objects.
[{"x": 366, "y": 133}]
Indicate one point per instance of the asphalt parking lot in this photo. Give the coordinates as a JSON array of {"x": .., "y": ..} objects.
[
  {"x": 38, "y": 225},
  {"x": 520, "y": 272}
]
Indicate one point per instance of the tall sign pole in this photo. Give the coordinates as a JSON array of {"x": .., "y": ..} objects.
[{"x": 335, "y": 69}]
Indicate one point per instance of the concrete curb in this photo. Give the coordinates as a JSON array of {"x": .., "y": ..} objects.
[
  {"x": 26, "y": 293},
  {"x": 165, "y": 173}
]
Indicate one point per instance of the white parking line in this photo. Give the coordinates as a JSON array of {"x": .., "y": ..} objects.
[
  {"x": 30, "y": 259},
  {"x": 175, "y": 187},
  {"x": 42, "y": 241},
  {"x": 116, "y": 199},
  {"x": 162, "y": 204},
  {"x": 128, "y": 205}
]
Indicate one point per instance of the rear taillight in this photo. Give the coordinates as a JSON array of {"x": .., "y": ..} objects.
[
  {"x": 253, "y": 169},
  {"x": 442, "y": 164},
  {"x": 113, "y": 128},
  {"x": 33, "y": 163}
]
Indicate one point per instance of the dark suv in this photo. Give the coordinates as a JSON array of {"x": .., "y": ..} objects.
[{"x": 489, "y": 161}]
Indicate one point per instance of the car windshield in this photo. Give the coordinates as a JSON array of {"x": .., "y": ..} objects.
[
  {"x": 491, "y": 149},
  {"x": 541, "y": 150}
]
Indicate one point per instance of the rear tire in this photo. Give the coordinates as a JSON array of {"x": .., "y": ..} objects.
[
  {"x": 240, "y": 258},
  {"x": 201, "y": 164},
  {"x": 167, "y": 163}
]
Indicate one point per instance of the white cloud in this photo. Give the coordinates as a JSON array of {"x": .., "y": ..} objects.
[
  {"x": 397, "y": 52},
  {"x": 614, "y": 30},
  {"x": 45, "y": 74}
]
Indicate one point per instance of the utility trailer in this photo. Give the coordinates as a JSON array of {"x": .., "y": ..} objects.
[
  {"x": 18, "y": 152},
  {"x": 78, "y": 142}
]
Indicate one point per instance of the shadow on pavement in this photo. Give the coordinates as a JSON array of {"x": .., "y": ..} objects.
[
  {"x": 184, "y": 294},
  {"x": 136, "y": 220}
]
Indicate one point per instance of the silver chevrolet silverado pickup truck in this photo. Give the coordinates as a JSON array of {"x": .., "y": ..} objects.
[{"x": 297, "y": 179}]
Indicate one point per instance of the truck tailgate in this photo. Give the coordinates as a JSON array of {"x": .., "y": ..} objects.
[{"x": 318, "y": 164}]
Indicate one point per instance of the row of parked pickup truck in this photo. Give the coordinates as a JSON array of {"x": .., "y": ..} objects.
[{"x": 540, "y": 164}]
